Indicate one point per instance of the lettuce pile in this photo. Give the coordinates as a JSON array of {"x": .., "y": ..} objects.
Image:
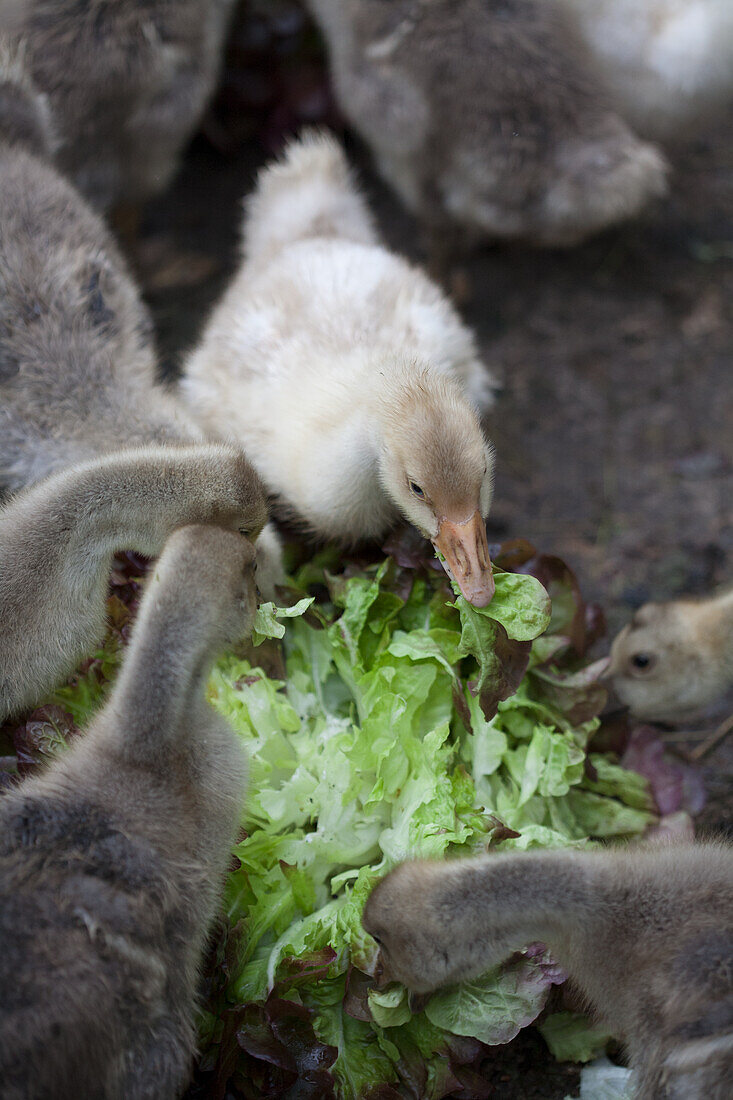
[
  {"x": 397, "y": 721},
  {"x": 384, "y": 718}
]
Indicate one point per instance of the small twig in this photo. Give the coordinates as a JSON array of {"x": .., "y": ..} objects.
[{"x": 714, "y": 739}]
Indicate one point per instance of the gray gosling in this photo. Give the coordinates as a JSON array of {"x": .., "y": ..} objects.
[
  {"x": 127, "y": 83},
  {"x": 674, "y": 661},
  {"x": 77, "y": 381},
  {"x": 645, "y": 933},
  {"x": 111, "y": 862},
  {"x": 77, "y": 363},
  {"x": 57, "y": 540},
  {"x": 487, "y": 117}
]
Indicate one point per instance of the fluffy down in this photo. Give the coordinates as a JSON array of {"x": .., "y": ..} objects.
[{"x": 343, "y": 371}]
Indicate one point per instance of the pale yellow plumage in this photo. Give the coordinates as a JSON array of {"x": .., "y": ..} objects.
[{"x": 343, "y": 370}]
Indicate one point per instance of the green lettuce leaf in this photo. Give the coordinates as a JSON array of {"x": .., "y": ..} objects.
[
  {"x": 572, "y": 1037},
  {"x": 495, "y": 1007},
  {"x": 268, "y": 618}
]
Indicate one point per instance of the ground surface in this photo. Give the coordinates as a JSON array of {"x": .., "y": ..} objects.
[{"x": 613, "y": 433}]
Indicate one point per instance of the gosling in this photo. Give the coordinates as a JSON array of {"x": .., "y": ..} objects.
[
  {"x": 111, "y": 863},
  {"x": 674, "y": 661},
  {"x": 645, "y": 933}
]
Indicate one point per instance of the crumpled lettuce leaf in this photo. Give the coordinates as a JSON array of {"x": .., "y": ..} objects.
[{"x": 268, "y": 618}]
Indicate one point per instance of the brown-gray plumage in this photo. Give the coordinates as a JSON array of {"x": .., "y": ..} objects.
[
  {"x": 111, "y": 861},
  {"x": 127, "y": 80},
  {"x": 77, "y": 381},
  {"x": 77, "y": 363},
  {"x": 57, "y": 540},
  {"x": 645, "y": 933},
  {"x": 486, "y": 114}
]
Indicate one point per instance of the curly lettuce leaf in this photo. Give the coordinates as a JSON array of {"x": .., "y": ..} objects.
[{"x": 268, "y": 619}]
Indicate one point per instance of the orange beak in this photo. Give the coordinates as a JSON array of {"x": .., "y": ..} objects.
[{"x": 466, "y": 553}]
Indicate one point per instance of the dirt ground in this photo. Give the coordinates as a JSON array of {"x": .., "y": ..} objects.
[{"x": 613, "y": 432}]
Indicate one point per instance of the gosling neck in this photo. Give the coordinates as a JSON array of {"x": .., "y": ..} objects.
[{"x": 507, "y": 902}]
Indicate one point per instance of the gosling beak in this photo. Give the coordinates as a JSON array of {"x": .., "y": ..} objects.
[{"x": 466, "y": 553}]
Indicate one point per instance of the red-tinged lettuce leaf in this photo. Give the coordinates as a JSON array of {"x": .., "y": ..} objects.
[
  {"x": 293, "y": 972},
  {"x": 540, "y": 957},
  {"x": 568, "y": 607},
  {"x": 499, "y": 637},
  {"x": 283, "y": 1055},
  {"x": 674, "y": 786},
  {"x": 677, "y": 828},
  {"x": 512, "y": 554},
  {"x": 256, "y": 1037},
  {"x": 356, "y": 996},
  {"x": 501, "y": 670},
  {"x": 579, "y": 694},
  {"x": 498, "y": 831},
  {"x": 45, "y": 732},
  {"x": 520, "y": 604},
  {"x": 596, "y": 626},
  {"x": 409, "y": 549},
  {"x": 220, "y": 964},
  {"x": 127, "y": 576},
  {"x": 613, "y": 733},
  {"x": 472, "y": 1084}
]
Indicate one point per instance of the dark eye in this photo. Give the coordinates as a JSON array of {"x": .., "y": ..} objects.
[
  {"x": 642, "y": 662},
  {"x": 245, "y": 531},
  {"x": 376, "y": 938},
  {"x": 415, "y": 488}
]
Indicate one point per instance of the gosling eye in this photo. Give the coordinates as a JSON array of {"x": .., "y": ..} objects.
[
  {"x": 642, "y": 662},
  {"x": 416, "y": 490}
]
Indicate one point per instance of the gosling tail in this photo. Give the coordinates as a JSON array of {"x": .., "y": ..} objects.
[{"x": 308, "y": 193}]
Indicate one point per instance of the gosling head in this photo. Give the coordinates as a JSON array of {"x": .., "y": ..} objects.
[
  {"x": 437, "y": 467},
  {"x": 403, "y": 915},
  {"x": 663, "y": 664},
  {"x": 416, "y": 915},
  {"x": 216, "y": 568}
]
